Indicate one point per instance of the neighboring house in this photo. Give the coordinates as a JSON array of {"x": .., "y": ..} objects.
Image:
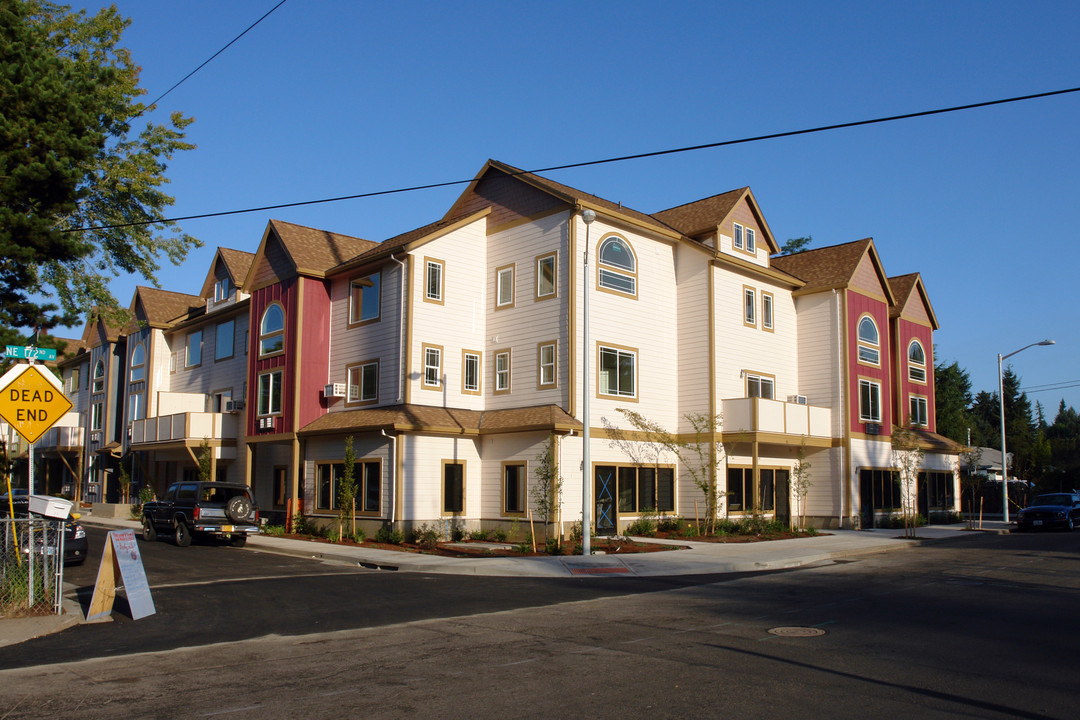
[{"x": 452, "y": 353}]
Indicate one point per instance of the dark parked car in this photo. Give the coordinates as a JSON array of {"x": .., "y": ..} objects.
[
  {"x": 75, "y": 544},
  {"x": 217, "y": 509},
  {"x": 1051, "y": 510}
]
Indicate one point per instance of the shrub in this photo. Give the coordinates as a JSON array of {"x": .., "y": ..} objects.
[
  {"x": 499, "y": 535},
  {"x": 389, "y": 536},
  {"x": 426, "y": 536},
  {"x": 457, "y": 534},
  {"x": 478, "y": 535},
  {"x": 275, "y": 530},
  {"x": 552, "y": 547},
  {"x": 643, "y": 527},
  {"x": 671, "y": 523}
]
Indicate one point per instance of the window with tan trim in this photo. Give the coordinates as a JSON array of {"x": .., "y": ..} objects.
[
  {"x": 749, "y": 306},
  {"x": 546, "y": 283},
  {"x": 504, "y": 287},
  {"x": 737, "y": 236},
  {"x": 642, "y": 489},
  {"x": 453, "y": 472},
  {"x": 916, "y": 362},
  {"x": 869, "y": 341},
  {"x": 760, "y": 386},
  {"x": 751, "y": 243},
  {"x": 617, "y": 371},
  {"x": 365, "y": 299},
  {"x": 766, "y": 311},
  {"x": 547, "y": 365},
  {"x": 432, "y": 355},
  {"x": 434, "y": 270},
  {"x": 363, "y": 383},
  {"x": 502, "y": 371},
  {"x": 471, "y": 380},
  {"x": 617, "y": 266},
  {"x": 917, "y": 406},
  {"x": 514, "y": 487},
  {"x": 367, "y": 474}
]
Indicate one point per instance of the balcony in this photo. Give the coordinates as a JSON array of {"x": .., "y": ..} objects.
[
  {"x": 61, "y": 438},
  {"x": 183, "y": 427},
  {"x": 782, "y": 422}
]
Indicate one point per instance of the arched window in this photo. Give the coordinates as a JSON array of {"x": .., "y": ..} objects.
[
  {"x": 272, "y": 331},
  {"x": 99, "y": 377},
  {"x": 618, "y": 268},
  {"x": 916, "y": 362},
  {"x": 869, "y": 342},
  {"x": 138, "y": 363}
]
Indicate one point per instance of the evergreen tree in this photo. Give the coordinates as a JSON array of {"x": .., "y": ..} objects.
[
  {"x": 70, "y": 158},
  {"x": 952, "y": 399}
]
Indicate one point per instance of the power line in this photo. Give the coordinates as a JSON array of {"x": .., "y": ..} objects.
[
  {"x": 588, "y": 163},
  {"x": 1048, "y": 388},
  {"x": 204, "y": 64}
]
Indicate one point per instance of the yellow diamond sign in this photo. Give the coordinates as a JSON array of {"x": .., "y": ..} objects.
[{"x": 31, "y": 400}]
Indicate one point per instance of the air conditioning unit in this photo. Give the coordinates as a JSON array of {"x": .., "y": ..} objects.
[
  {"x": 873, "y": 429},
  {"x": 266, "y": 423},
  {"x": 334, "y": 390},
  {"x": 797, "y": 399},
  {"x": 234, "y": 406}
]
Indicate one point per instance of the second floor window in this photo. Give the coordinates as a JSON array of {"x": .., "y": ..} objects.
[
  {"x": 364, "y": 382},
  {"x": 272, "y": 330},
  {"x": 545, "y": 277},
  {"x": 432, "y": 366},
  {"x": 270, "y": 393},
  {"x": 869, "y": 401},
  {"x": 918, "y": 410},
  {"x": 470, "y": 373},
  {"x": 766, "y": 311},
  {"x": 138, "y": 363},
  {"x": 223, "y": 341},
  {"x": 749, "y": 307},
  {"x": 546, "y": 362},
  {"x": 504, "y": 287},
  {"x": 95, "y": 416},
  {"x": 759, "y": 386},
  {"x": 502, "y": 371},
  {"x": 618, "y": 372},
  {"x": 433, "y": 280}
]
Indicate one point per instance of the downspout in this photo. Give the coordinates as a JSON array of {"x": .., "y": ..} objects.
[
  {"x": 843, "y": 407},
  {"x": 401, "y": 336},
  {"x": 392, "y": 462}
]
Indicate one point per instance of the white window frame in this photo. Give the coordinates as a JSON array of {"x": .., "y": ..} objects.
[
  {"x": 222, "y": 290},
  {"x": 471, "y": 363},
  {"x": 273, "y": 334},
  {"x": 916, "y": 369},
  {"x": 874, "y": 389},
  {"x": 543, "y": 290},
  {"x": 547, "y": 375},
  {"x": 760, "y": 382},
  {"x": 869, "y": 351},
  {"x": 503, "y": 371},
  {"x": 615, "y": 277},
  {"x": 96, "y": 412},
  {"x": 138, "y": 363},
  {"x": 434, "y": 293},
  {"x": 98, "y": 381},
  {"x": 504, "y": 287},
  {"x": 767, "y": 310},
  {"x": 749, "y": 306},
  {"x": 751, "y": 240},
  {"x": 621, "y": 355},
  {"x": 918, "y": 409},
  {"x": 273, "y": 396},
  {"x": 737, "y": 236},
  {"x": 358, "y": 390},
  {"x": 432, "y": 358}
]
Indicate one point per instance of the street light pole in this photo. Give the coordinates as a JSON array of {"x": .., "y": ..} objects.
[
  {"x": 1001, "y": 413},
  {"x": 586, "y": 473}
]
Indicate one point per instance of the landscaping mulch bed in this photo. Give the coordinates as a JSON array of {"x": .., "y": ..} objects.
[{"x": 735, "y": 538}]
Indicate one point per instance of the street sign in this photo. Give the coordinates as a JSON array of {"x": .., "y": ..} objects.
[
  {"x": 31, "y": 400},
  {"x": 29, "y": 352}
]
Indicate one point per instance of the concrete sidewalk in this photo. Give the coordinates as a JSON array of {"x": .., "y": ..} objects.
[{"x": 699, "y": 558}]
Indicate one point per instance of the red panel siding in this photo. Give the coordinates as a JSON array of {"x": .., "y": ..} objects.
[
  {"x": 285, "y": 294},
  {"x": 315, "y": 355},
  {"x": 857, "y": 306},
  {"x": 906, "y": 332}
]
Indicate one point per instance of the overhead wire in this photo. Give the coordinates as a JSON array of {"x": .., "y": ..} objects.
[{"x": 588, "y": 163}]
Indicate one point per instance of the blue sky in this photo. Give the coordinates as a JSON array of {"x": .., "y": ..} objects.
[{"x": 330, "y": 98}]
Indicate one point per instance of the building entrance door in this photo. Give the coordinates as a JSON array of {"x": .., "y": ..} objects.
[{"x": 604, "y": 498}]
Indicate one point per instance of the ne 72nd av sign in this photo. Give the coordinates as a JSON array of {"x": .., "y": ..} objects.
[{"x": 31, "y": 400}]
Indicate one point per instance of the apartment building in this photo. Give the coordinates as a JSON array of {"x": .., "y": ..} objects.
[{"x": 452, "y": 355}]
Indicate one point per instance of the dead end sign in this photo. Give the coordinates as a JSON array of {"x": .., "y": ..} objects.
[{"x": 32, "y": 400}]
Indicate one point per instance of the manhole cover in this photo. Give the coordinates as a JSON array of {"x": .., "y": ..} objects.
[{"x": 797, "y": 631}]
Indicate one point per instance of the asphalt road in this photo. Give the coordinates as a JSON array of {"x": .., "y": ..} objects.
[{"x": 982, "y": 626}]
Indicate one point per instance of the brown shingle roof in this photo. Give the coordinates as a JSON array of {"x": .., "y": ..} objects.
[
  {"x": 404, "y": 418},
  {"x": 163, "y": 307},
  {"x": 238, "y": 263},
  {"x": 824, "y": 268},
  {"x": 901, "y": 287},
  {"x": 696, "y": 217},
  {"x": 316, "y": 251},
  {"x": 932, "y": 442}
]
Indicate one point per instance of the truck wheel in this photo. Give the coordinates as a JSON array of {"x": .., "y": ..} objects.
[
  {"x": 238, "y": 540},
  {"x": 183, "y": 534},
  {"x": 238, "y": 508},
  {"x": 149, "y": 532}
]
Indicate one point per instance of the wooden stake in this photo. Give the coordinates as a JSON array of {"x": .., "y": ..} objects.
[
  {"x": 532, "y": 530},
  {"x": 697, "y": 518}
]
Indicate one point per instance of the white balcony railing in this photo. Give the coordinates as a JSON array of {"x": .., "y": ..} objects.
[
  {"x": 776, "y": 416},
  {"x": 185, "y": 426},
  {"x": 60, "y": 437}
]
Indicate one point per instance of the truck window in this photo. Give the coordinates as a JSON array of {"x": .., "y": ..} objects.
[
  {"x": 171, "y": 493},
  {"x": 187, "y": 492}
]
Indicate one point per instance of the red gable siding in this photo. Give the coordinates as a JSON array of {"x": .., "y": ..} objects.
[
  {"x": 906, "y": 332},
  {"x": 315, "y": 350},
  {"x": 284, "y": 293},
  {"x": 857, "y": 306}
]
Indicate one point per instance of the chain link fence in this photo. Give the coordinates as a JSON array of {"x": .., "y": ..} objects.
[{"x": 31, "y": 566}]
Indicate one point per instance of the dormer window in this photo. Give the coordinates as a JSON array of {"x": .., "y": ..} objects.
[
  {"x": 869, "y": 342},
  {"x": 618, "y": 267},
  {"x": 138, "y": 363},
  {"x": 222, "y": 289},
  {"x": 916, "y": 362},
  {"x": 99, "y": 377},
  {"x": 272, "y": 331}
]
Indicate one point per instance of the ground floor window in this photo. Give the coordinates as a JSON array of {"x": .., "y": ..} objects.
[
  {"x": 881, "y": 488},
  {"x": 939, "y": 489},
  {"x": 453, "y": 487},
  {"x": 514, "y": 489},
  {"x": 639, "y": 489},
  {"x": 771, "y": 489},
  {"x": 367, "y": 474}
]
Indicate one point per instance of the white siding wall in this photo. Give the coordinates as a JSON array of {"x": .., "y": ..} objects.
[
  {"x": 458, "y": 323},
  {"x": 494, "y": 451},
  {"x": 379, "y": 340},
  {"x": 422, "y": 469},
  {"x": 332, "y": 449},
  {"x": 211, "y": 376},
  {"x": 741, "y": 347},
  {"x": 692, "y": 276},
  {"x": 819, "y": 354},
  {"x": 529, "y": 322},
  {"x": 823, "y": 498}
]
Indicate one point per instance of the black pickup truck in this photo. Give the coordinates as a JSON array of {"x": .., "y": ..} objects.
[{"x": 224, "y": 510}]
